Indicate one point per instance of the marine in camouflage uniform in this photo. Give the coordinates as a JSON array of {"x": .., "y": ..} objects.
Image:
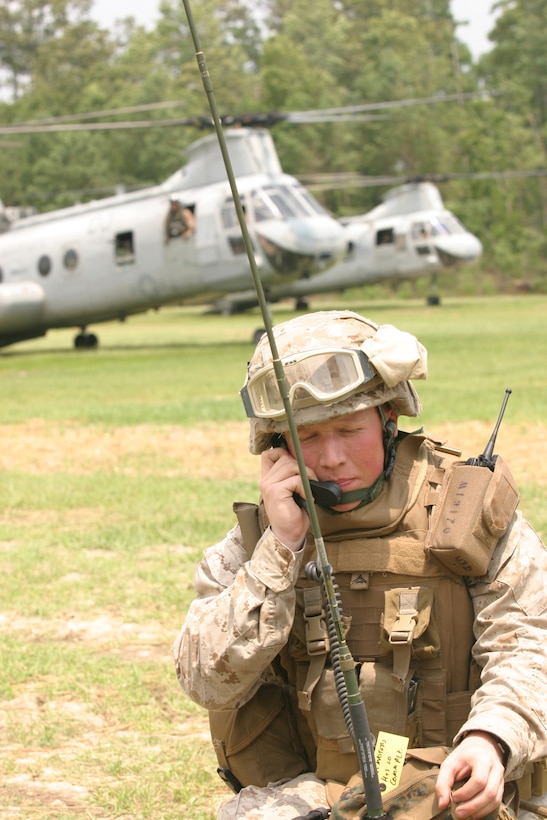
[{"x": 247, "y": 611}]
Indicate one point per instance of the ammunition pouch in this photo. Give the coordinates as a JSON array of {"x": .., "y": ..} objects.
[
  {"x": 473, "y": 511},
  {"x": 414, "y": 798},
  {"x": 258, "y": 742}
]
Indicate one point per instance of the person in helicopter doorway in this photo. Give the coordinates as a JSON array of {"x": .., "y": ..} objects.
[{"x": 446, "y": 622}]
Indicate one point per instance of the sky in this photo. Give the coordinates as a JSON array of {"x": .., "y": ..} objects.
[{"x": 476, "y": 12}]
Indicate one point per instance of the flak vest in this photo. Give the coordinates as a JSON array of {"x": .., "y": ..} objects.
[
  {"x": 408, "y": 623},
  {"x": 408, "y": 620}
]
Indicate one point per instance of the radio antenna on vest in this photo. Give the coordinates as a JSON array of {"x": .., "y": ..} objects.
[{"x": 362, "y": 737}]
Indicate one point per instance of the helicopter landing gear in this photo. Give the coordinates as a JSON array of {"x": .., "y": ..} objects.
[
  {"x": 433, "y": 298},
  {"x": 301, "y": 304},
  {"x": 86, "y": 340}
]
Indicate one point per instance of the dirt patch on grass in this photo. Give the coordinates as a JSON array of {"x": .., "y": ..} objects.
[
  {"x": 216, "y": 451},
  {"x": 60, "y": 748},
  {"x": 204, "y": 451}
]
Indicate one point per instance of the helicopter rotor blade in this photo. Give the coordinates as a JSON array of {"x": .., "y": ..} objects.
[
  {"x": 351, "y": 113},
  {"x": 334, "y": 181}
]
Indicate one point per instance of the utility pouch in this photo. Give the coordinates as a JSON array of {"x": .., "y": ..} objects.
[
  {"x": 473, "y": 511},
  {"x": 258, "y": 742},
  {"x": 414, "y": 798}
]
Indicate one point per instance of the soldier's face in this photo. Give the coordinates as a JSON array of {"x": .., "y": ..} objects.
[{"x": 348, "y": 450}]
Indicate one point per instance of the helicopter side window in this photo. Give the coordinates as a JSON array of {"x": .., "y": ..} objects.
[
  {"x": 420, "y": 231},
  {"x": 385, "y": 236},
  {"x": 180, "y": 220},
  {"x": 124, "y": 248},
  {"x": 70, "y": 260},
  {"x": 237, "y": 244},
  {"x": 228, "y": 213},
  {"x": 44, "y": 265}
]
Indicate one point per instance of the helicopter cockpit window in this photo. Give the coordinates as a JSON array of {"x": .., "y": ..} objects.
[
  {"x": 70, "y": 260},
  {"x": 385, "y": 236},
  {"x": 447, "y": 225},
  {"x": 44, "y": 265},
  {"x": 263, "y": 207},
  {"x": 124, "y": 248},
  {"x": 302, "y": 203},
  {"x": 283, "y": 203},
  {"x": 312, "y": 204}
]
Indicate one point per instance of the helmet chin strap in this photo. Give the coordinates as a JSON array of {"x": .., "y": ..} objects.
[{"x": 366, "y": 495}]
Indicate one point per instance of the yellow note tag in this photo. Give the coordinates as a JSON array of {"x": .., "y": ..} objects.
[{"x": 390, "y": 754}]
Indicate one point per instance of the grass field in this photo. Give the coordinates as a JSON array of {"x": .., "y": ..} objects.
[{"x": 118, "y": 467}]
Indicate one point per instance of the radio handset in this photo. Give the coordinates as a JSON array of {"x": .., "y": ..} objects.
[{"x": 325, "y": 493}]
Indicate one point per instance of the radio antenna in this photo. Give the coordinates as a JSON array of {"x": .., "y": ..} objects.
[{"x": 360, "y": 727}]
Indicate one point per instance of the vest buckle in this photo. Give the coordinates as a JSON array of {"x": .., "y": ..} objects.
[{"x": 404, "y": 626}]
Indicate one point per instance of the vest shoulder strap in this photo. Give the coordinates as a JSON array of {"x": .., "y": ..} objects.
[{"x": 249, "y": 524}]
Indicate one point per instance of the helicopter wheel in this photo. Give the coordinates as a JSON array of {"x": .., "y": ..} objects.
[
  {"x": 301, "y": 304},
  {"x": 433, "y": 299},
  {"x": 86, "y": 340}
]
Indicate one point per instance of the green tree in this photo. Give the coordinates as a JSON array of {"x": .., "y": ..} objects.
[{"x": 25, "y": 25}]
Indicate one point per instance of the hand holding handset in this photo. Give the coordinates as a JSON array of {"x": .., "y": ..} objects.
[{"x": 325, "y": 493}]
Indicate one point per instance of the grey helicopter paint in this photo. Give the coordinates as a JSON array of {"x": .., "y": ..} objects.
[{"x": 180, "y": 242}]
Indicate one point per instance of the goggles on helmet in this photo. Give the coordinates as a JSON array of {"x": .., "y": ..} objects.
[{"x": 323, "y": 376}]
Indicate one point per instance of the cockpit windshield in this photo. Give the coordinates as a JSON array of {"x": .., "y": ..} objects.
[
  {"x": 437, "y": 226},
  {"x": 448, "y": 224},
  {"x": 274, "y": 202},
  {"x": 284, "y": 202}
]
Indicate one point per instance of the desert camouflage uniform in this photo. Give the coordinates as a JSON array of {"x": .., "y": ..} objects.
[{"x": 244, "y": 613}]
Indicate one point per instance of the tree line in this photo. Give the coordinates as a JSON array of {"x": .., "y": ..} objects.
[{"x": 284, "y": 56}]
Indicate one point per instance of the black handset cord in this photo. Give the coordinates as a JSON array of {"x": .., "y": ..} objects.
[{"x": 313, "y": 572}]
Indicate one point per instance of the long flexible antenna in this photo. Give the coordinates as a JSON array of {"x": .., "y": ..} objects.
[{"x": 361, "y": 731}]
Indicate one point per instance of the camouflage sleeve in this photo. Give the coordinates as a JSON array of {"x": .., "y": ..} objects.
[
  {"x": 510, "y": 629},
  {"x": 239, "y": 621}
]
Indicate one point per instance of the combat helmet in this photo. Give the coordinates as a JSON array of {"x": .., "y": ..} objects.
[{"x": 336, "y": 362}]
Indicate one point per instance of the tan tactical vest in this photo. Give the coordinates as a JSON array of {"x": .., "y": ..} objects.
[
  {"x": 409, "y": 627},
  {"x": 409, "y": 620}
]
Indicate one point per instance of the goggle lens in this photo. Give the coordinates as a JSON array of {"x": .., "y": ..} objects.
[{"x": 320, "y": 376}]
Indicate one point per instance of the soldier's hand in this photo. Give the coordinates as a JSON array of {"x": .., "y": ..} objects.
[
  {"x": 280, "y": 479},
  {"x": 477, "y": 761}
]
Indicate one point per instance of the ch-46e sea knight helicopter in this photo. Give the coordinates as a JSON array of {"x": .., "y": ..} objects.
[
  {"x": 177, "y": 242},
  {"x": 409, "y": 235},
  {"x": 180, "y": 242}
]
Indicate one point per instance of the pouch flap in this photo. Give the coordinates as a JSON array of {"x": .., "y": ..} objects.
[{"x": 501, "y": 499}]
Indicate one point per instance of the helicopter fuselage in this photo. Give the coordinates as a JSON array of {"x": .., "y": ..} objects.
[{"x": 176, "y": 242}]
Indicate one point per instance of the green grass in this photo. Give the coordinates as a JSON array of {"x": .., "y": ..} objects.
[{"x": 117, "y": 470}]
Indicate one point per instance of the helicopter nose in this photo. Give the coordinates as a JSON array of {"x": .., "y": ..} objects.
[
  {"x": 295, "y": 247},
  {"x": 319, "y": 237},
  {"x": 458, "y": 249}
]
